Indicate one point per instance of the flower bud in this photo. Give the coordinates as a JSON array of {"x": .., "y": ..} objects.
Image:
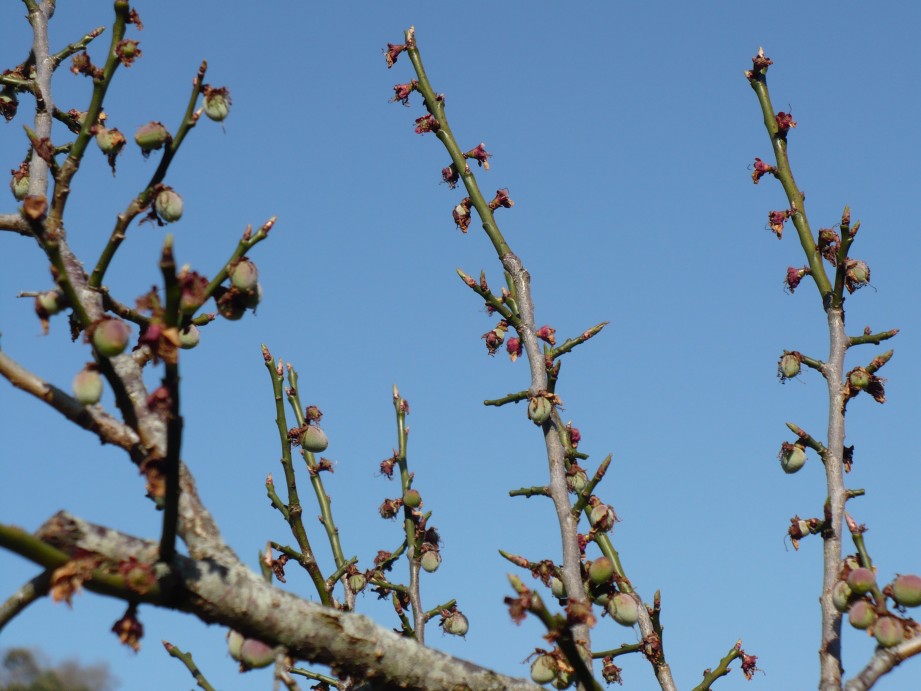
[
  {"x": 861, "y": 580},
  {"x": 544, "y": 669},
  {"x": 889, "y": 632},
  {"x": 792, "y": 457},
  {"x": 313, "y": 439},
  {"x": 862, "y": 615},
  {"x": 189, "y": 337},
  {"x": 168, "y": 205},
  {"x": 151, "y": 137},
  {"x": 87, "y": 386},
  {"x": 906, "y": 590},
  {"x": 110, "y": 337},
  {"x": 623, "y": 609},
  {"x": 431, "y": 560}
]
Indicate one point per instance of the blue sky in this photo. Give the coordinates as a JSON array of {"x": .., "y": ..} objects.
[{"x": 625, "y": 134}]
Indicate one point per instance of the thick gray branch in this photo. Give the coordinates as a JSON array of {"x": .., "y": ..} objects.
[
  {"x": 882, "y": 662},
  {"x": 227, "y": 593},
  {"x": 15, "y": 223}
]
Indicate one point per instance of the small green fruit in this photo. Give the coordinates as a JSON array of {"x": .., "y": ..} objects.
[
  {"x": 602, "y": 518},
  {"x": 189, "y": 337},
  {"x": 231, "y": 307},
  {"x": 455, "y": 623},
  {"x": 557, "y": 589},
  {"x": 357, "y": 582},
  {"x": 412, "y": 498},
  {"x": 256, "y": 654},
  {"x": 431, "y": 560},
  {"x": 792, "y": 457},
  {"x": 244, "y": 275},
  {"x": 906, "y": 590},
  {"x": 50, "y": 301},
  {"x": 862, "y": 615},
  {"x": 859, "y": 378},
  {"x": 110, "y": 142},
  {"x": 19, "y": 184},
  {"x": 151, "y": 137},
  {"x": 313, "y": 439},
  {"x": 539, "y": 409},
  {"x": 217, "y": 103},
  {"x": 601, "y": 570},
  {"x": 544, "y": 669},
  {"x": 252, "y": 298},
  {"x": 789, "y": 365},
  {"x": 889, "y": 632},
  {"x": 623, "y": 609},
  {"x": 564, "y": 679},
  {"x": 861, "y": 580},
  {"x": 111, "y": 337},
  {"x": 88, "y": 387},
  {"x": 577, "y": 481},
  {"x": 168, "y": 205},
  {"x": 841, "y": 596},
  {"x": 234, "y": 643}
]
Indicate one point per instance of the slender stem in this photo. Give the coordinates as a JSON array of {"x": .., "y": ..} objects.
[
  {"x": 326, "y": 679},
  {"x": 186, "y": 659},
  {"x": 30, "y": 592},
  {"x": 721, "y": 670}
]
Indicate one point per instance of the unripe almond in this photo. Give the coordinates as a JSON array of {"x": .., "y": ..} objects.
[
  {"x": 357, "y": 582},
  {"x": 19, "y": 184},
  {"x": 431, "y": 560},
  {"x": 623, "y": 609},
  {"x": 601, "y": 570},
  {"x": 602, "y": 518},
  {"x": 455, "y": 623},
  {"x": 110, "y": 142},
  {"x": 906, "y": 590},
  {"x": 556, "y": 587},
  {"x": 841, "y": 596},
  {"x": 111, "y": 337},
  {"x": 234, "y": 643},
  {"x": 50, "y": 301},
  {"x": 789, "y": 365},
  {"x": 244, "y": 275},
  {"x": 859, "y": 378},
  {"x": 231, "y": 307},
  {"x": 539, "y": 409},
  {"x": 544, "y": 669},
  {"x": 861, "y": 580},
  {"x": 217, "y": 103},
  {"x": 577, "y": 481},
  {"x": 189, "y": 337},
  {"x": 168, "y": 205},
  {"x": 792, "y": 457},
  {"x": 88, "y": 387},
  {"x": 313, "y": 439},
  {"x": 256, "y": 654},
  {"x": 151, "y": 137},
  {"x": 252, "y": 298},
  {"x": 412, "y": 498},
  {"x": 564, "y": 679},
  {"x": 862, "y": 615},
  {"x": 889, "y": 632}
]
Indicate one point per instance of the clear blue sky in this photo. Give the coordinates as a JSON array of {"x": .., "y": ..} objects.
[{"x": 625, "y": 133}]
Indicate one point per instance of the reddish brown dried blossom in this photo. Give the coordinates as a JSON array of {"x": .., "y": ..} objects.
[
  {"x": 785, "y": 122},
  {"x": 761, "y": 61},
  {"x": 402, "y": 92},
  {"x": 514, "y": 348},
  {"x": 749, "y": 665},
  {"x": 391, "y": 53},
  {"x": 575, "y": 436},
  {"x": 501, "y": 199},
  {"x": 479, "y": 154},
  {"x": 518, "y": 607},
  {"x": 450, "y": 176},
  {"x": 127, "y": 51},
  {"x": 139, "y": 577},
  {"x": 427, "y": 123},
  {"x": 462, "y": 218},
  {"x": 387, "y": 466},
  {"x": 794, "y": 276},
  {"x": 390, "y": 507},
  {"x": 760, "y": 170},
  {"x": 611, "y": 672},
  {"x": 134, "y": 18},
  {"x": 829, "y": 242},
  {"x": 193, "y": 287},
  {"x": 547, "y": 333},
  {"x": 160, "y": 401},
  {"x": 68, "y": 580},
  {"x": 152, "y": 469},
  {"x": 776, "y": 220},
  {"x": 81, "y": 64},
  {"x": 129, "y": 629}
]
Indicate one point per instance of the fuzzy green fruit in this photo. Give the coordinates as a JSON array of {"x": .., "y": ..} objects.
[
  {"x": 601, "y": 570},
  {"x": 557, "y": 589},
  {"x": 50, "y": 301},
  {"x": 841, "y": 595},
  {"x": 189, "y": 337},
  {"x": 168, "y": 205},
  {"x": 256, "y": 654},
  {"x": 431, "y": 560},
  {"x": 889, "y": 632},
  {"x": 577, "y": 481},
  {"x": 313, "y": 439},
  {"x": 862, "y": 615},
  {"x": 861, "y": 580},
  {"x": 623, "y": 609},
  {"x": 564, "y": 679},
  {"x": 110, "y": 142},
  {"x": 111, "y": 337},
  {"x": 539, "y": 409},
  {"x": 234, "y": 643},
  {"x": 244, "y": 275},
  {"x": 789, "y": 365},
  {"x": 88, "y": 387},
  {"x": 151, "y": 137},
  {"x": 217, "y": 103},
  {"x": 906, "y": 590},
  {"x": 544, "y": 669},
  {"x": 455, "y": 624},
  {"x": 412, "y": 498},
  {"x": 357, "y": 582},
  {"x": 19, "y": 184}
]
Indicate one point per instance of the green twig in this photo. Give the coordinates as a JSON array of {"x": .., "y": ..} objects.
[
  {"x": 871, "y": 338},
  {"x": 186, "y": 659},
  {"x": 29, "y": 592},
  {"x": 571, "y": 343},
  {"x": 529, "y": 492},
  {"x": 326, "y": 679},
  {"x": 508, "y": 398},
  {"x": 625, "y": 649},
  {"x": 721, "y": 670},
  {"x": 76, "y": 46},
  {"x": 807, "y": 439}
]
